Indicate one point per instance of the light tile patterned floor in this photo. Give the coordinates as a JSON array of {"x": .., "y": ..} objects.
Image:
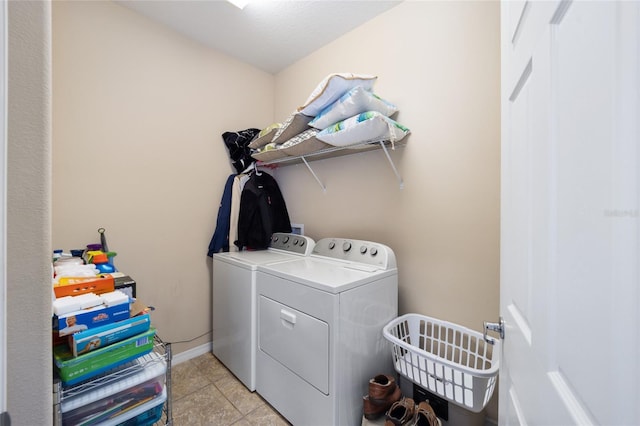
[{"x": 205, "y": 393}]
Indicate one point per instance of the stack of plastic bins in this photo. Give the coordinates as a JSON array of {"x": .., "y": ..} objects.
[{"x": 133, "y": 394}]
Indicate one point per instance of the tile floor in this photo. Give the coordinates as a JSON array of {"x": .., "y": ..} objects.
[{"x": 205, "y": 393}]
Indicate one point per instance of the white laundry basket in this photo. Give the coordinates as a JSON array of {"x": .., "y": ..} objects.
[{"x": 446, "y": 359}]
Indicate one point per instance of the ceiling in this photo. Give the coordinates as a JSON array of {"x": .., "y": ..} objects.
[{"x": 268, "y": 34}]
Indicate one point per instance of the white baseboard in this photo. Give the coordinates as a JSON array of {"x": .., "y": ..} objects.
[{"x": 190, "y": 353}]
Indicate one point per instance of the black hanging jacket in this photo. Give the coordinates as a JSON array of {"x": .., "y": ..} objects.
[{"x": 262, "y": 212}]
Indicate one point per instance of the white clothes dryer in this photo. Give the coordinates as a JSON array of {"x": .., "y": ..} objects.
[
  {"x": 320, "y": 321},
  {"x": 234, "y": 320}
]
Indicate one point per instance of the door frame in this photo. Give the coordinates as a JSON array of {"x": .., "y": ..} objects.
[{"x": 3, "y": 204}]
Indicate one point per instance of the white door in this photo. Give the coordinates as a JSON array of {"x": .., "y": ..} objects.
[{"x": 570, "y": 244}]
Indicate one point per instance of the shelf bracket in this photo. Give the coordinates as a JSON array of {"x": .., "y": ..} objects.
[
  {"x": 393, "y": 166},
  {"x": 324, "y": 188}
]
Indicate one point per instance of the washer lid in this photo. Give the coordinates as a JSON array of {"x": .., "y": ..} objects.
[
  {"x": 251, "y": 259},
  {"x": 327, "y": 275}
]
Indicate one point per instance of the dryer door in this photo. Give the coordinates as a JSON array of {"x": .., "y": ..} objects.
[{"x": 296, "y": 340}]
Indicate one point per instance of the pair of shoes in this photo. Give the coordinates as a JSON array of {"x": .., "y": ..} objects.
[
  {"x": 425, "y": 416},
  {"x": 405, "y": 413},
  {"x": 383, "y": 392},
  {"x": 401, "y": 413}
]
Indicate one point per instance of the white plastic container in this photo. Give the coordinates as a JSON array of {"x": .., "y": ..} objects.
[{"x": 444, "y": 358}]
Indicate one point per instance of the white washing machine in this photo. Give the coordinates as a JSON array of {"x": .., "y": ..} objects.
[
  {"x": 320, "y": 321},
  {"x": 234, "y": 301}
]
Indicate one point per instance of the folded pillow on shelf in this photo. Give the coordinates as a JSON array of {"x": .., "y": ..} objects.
[
  {"x": 265, "y": 136},
  {"x": 370, "y": 126},
  {"x": 331, "y": 88},
  {"x": 269, "y": 152},
  {"x": 304, "y": 143},
  {"x": 355, "y": 101},
  {"x": 295, "y": 124}
]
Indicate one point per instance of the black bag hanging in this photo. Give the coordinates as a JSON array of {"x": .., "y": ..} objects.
[{"x": 238, "y": 145}]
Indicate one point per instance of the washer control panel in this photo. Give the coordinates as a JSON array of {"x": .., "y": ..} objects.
[
  {"x": 292, "y": 243},
  {"x": 357, "y": 251}
]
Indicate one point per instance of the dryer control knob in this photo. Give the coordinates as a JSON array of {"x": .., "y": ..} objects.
[
  {"x": 274, "y": 238},
  {"x": 285, "y": 240},
  {"x": 373, "y": 251},
  {"x": 331, "y": 245},
  {"x": 295, "y": 241},
  {"x": 363, "y": 249},
  {"x": 302, "y": 243},
  {"x": 346, "y": 246}
]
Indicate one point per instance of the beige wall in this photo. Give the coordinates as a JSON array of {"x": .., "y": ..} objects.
[
  {"x": 138, "y": 116},
  {"x": 29, "y": 398},
  {"x": 439, "y": 63}
]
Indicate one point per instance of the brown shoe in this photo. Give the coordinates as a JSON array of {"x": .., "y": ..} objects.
[
  {"x": 425, "y": 416},
  {"x": 400, "y": 413},
  {"x": 373, "y": 410},
  {"x": 370, "y": 410},
  {"x": 380, "y": 387}
]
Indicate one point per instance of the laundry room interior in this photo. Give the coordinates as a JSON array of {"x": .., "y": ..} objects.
[{"x": 138, "y": 114}]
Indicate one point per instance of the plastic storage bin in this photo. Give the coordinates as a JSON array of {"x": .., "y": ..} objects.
[
  {"x": 446, "y": 359},
  {"x": 150, "y": 416},
  {"x": 143, "y": 415},
  {"x": 119, "y": 395}
]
